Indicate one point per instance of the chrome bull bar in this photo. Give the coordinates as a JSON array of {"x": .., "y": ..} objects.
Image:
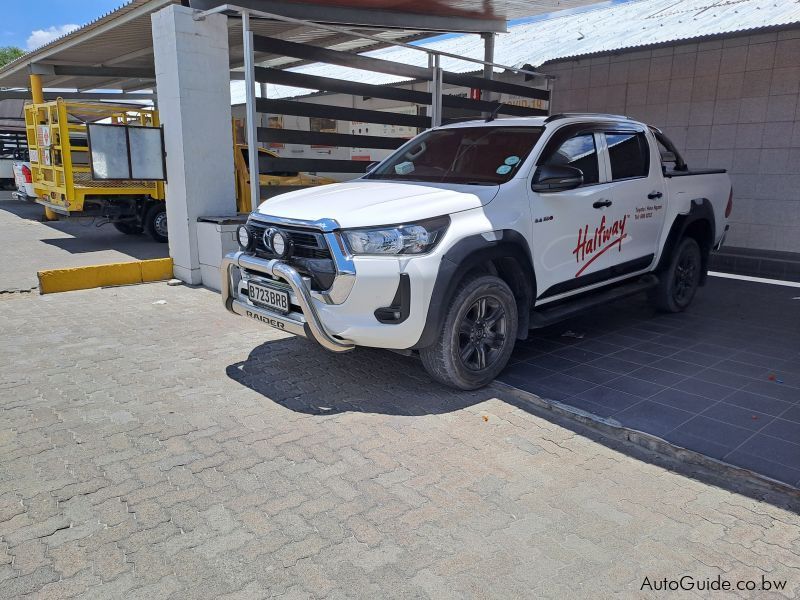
[{"x": 311, "y": 328}]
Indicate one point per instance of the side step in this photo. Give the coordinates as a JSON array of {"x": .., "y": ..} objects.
[{"x": 544, "y": 316}]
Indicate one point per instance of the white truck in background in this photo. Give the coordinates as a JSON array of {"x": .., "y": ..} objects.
[
  {"x": 23, "y": 181},
  {"x": 470, "y": 235},
  {"x": 13, "y": 154}
]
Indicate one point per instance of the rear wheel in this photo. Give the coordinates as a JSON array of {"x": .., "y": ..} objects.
[
  {"x": 128, "y": 228},
  {"x": 155, "y": 222},
  {"x": 678, "y": 283},
  {"x": 477, "y": 335}
]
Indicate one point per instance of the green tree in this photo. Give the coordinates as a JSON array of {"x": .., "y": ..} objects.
[{"x": 9, "y": 53}]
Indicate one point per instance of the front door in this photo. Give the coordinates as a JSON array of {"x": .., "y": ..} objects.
[{"x": 578, "y": 235}]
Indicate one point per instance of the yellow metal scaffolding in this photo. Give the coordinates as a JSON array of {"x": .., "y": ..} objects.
[{"x": 59, "y": 152}]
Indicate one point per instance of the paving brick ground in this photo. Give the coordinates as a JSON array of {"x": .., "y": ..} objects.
[
  {"x": 30, "y": 245},
  {"x": 152, "y": 450}
]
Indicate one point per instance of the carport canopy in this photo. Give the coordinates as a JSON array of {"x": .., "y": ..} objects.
[{"x": 115, "y": 52}]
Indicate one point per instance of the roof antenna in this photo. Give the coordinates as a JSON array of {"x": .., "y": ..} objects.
[{"x": 493, "y": 115}]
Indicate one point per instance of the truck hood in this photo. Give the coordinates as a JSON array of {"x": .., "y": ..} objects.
[{"x": 364, "y": 203}]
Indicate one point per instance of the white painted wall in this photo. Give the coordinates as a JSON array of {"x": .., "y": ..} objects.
[{"x": 192, "y": 80}]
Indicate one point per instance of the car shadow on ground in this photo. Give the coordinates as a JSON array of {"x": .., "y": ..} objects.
[
  {"x": 729, "y": 318},
  {"x": 367, "y": 380},
  {"x": 288, "y": 372},
  {"x": 86, "y": 236}
]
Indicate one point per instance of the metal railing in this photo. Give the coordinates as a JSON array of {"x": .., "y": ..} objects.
[{"x": 434, "y": 74}]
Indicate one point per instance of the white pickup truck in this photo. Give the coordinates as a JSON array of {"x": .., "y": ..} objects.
[
  {"x": 23, "y": 180},
  {"x": 471, "y": 234}
]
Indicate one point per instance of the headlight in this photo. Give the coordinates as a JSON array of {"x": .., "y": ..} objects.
[
  {"x": 244, "y": 237},
  {"x": 415, "y": 238}
]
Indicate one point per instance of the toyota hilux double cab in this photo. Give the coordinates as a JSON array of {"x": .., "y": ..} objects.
[{"x": 471, "y": 234}]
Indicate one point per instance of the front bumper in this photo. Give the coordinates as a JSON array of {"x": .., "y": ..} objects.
[{"x": 306, "y": 323}]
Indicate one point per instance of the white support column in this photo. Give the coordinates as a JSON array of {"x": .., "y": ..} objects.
[
  {"x": 488, "y": 70},
  {"x": 488, "y": 54},
  {"x": 250, "y": 108},
  {"x": 435, "y": 89},
  {"x": 193, "y": 83}
]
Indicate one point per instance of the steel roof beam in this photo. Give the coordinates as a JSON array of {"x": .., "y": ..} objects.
[
  {"x": 386, "y": 19},
  {"x": 26, "y": 95},
  {"x": 93, "y": 71},
  {"x": 379, "y": 65}
]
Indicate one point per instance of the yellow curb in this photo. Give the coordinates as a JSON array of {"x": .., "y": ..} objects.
[{"x": 93, "y": 276}]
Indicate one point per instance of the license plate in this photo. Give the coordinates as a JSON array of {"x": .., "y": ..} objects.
[{"x": 269, "y": 297}]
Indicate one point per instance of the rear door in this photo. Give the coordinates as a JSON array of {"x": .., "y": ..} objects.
[{"x": 638, "y": 195}]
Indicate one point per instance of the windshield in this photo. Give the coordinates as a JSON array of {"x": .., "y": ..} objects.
[{"x": 476, "y": 155}]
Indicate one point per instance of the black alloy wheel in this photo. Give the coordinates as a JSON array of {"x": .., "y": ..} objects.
[{"x": 482, "y": 334}]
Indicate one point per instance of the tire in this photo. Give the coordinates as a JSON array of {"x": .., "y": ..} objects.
[
  {"x": 469, "y": 352},
  {"x": 128, "y": 228},
  {"x": 678, "y": 283},
  {"x": 155, "y": 222}
]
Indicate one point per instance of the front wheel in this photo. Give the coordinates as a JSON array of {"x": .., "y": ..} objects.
[
  {"x": 477, "y": 335},
  {"x": 678, "y": 283},
  {"x": 155, "y": 222}
]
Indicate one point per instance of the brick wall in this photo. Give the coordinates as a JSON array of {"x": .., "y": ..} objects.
[{"x": 730, "y": 103}]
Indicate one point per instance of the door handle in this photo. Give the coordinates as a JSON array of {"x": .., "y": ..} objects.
[
  {"x": 602, "y": 203},
  {"x": 654, "y": 195}
]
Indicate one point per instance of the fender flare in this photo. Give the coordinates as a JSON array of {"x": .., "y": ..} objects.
[
  {"x": 465, "y": 255},
  {"x": 701, "y": 210}
]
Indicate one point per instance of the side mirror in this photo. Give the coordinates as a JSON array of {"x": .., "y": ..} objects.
[{"x": 556, "y": 178}]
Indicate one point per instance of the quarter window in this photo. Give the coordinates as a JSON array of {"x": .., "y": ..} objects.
[
  {"x": 628, "y": 154},
  {"x": 579, "y": 152}
]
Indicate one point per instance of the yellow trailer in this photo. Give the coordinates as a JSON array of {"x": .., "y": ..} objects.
[
  {"x": 61, "y": 172},
  {"x": 62, "y": 177},
  {"x": 241, "y": 167},
  {"x": 241, "y": 162}
]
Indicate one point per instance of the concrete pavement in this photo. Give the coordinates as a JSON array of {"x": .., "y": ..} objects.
[
  {"x": 152, "y": 445},
  {"x": 30, "y": 245}
]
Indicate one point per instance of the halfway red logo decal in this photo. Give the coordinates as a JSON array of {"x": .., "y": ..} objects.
[{"x": 604, "y": 238}]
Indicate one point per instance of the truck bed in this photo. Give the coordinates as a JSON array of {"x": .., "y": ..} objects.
[{"x": 690, "y": 172}]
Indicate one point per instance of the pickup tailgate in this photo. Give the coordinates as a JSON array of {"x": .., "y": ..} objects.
[{"x": 22, "y": 175}]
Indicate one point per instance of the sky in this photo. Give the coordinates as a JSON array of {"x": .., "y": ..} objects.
[{"x": 29, "y": 24}]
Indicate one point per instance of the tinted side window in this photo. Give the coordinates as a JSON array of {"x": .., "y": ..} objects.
[
  {"x": 579, "y": 152},
  {"x": 629, "y": 155}
]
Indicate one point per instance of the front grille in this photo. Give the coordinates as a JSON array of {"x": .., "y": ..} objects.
[
  {"x": 311, "y": 256},
  {"x": 308, "y": 243}
]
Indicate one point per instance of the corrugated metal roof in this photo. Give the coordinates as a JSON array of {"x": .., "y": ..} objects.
[
  {"x": 604, "y": 29},
  {"x": 123, "y": 38},
  {"x": 644, "y": 23}
]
